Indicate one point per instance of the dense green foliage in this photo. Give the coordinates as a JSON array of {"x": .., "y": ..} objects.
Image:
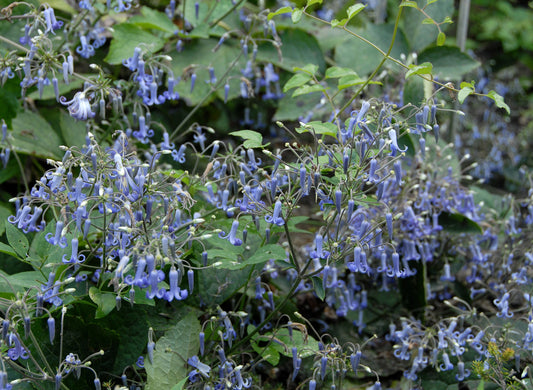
[{"x": 228, "y": 194}]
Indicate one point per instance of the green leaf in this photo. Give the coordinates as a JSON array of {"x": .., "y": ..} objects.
[
  {"x": 200, "y": 52},
  {"x": 458, "y": 223},
  {"x": 282, "y": 10},
  {"x": 307, "y": 89},
  {"x": 310, "y": 69},
  {"x": 200, "y": 31},
  {"x": 171, "y": 353},
  {"x": 105, "y": 301},
  {"x": 4, "y": 248},
  {"x": 342, "y": 22},
  {"x": 266, "y": 253},
  {"x": 326, "y": 128},
  {"x": 72, "y": 131},
  {"x": 318, "y": 286},
  {"x": 448, "y": 61},
  {"x": 363, "y": 58},
  {"x": 131, "y": 326},
  {"x": 9, "y": 94},
  {"x": 311, "y": 2},
  {"x": 20, "y": 282},
  {"x": 336, "y": 72},
  {"x": 180, "y": 384},
  {"x": 290, "y": 108},
  {"x": 34, "y": 136},
  {"x": 155, "y": 20},
  {"x": 5, "y": 212},
  {"x": 298, "y": 47},
  {"x": 424, "y": 68},
  {"x": 17, "y": 240},
  {"x": 464, "y": 93},
  {"x": 270, "y": 352},
  {"x": 253, "y": 139},
  {"x": 354, "y": 10},
  {"x": 419, "y": 34},
  {"x": 297, "y": 80},
  {"x": 126, "y": 38},
  {"x": 280, "y": 342},
  {"x": 296, "y": 15},
  {"x": 350, "y": 81},
  {"x": 406, "y": 3},
  {"x": 441, "y": 38},
  {"x": 498, "y": 99}
]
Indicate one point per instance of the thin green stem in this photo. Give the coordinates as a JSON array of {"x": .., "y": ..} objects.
[
  {"x": 386, "y": 56},
  {"x": 214, "y": 23}
]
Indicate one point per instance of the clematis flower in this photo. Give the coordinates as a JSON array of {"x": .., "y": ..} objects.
[
  {"x": 275, "y": 217},
  {"x": 232, "y": 235},
  {"x": 79, "y": 107}
]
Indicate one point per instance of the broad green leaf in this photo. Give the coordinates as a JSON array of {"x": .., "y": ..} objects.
[
  {"x": 17, "y": 240},
  {"x": 422, "y": 34},
  {"x": 317, "y": 127},
  {"x": 131, "y": 326},
  {"x": 20, "y": 282},
  {"x": 458, "y": 223},
  {"x": 290, "y": 108},
  {"x": 280, "y": 342},
  {"x": 350, "y": 81},
  {"x": 105, "y": 301},
  {"x": 342, "y": 22},
  {"x": 34, "y": 136},
  {"x": 9, "y": 96},
  {"x": 335, "y": 72},
  {"x": 354, "y": 10},
  {"x": 5, "y": 212},
  {"x": 424, "y": 68},
  {"x": 270, "y": 352},
  {"x": 4, "y": 248},
  {"x": 297, "y": 80},
  {"x": 296, "y": 15},
  {"x": 306, "y": 89},
  {"x": 363, "y": 58},
  {"x": 200, "y": 31},
  {"x": 306, "y": 344},
  {"x": 406, "y": 3},
  {"x": 266, "y": 253},
  {"x": 126, "y": 37},
  {"x": 72, "y": 131},
  {"x": 298, "y": 47},
  {"x": 282, "y": 10},
  {"x": 441, "y": 39},
  {"x": 171, "y": 353},
  {"x": 464, "y": 93},
  {"x": 200, "y": 52},
  {"x": 311, "y": 2},
  {"x": 253, "y": 139},
  {"x": 318, "y": 287},
  {"x": 310, "y": 69},
  {"x": 448, "y": 62},
  {"x": 498, "y": 99},
  {"x": 155, "y": 20},
  {"x": 180, "y": 384}
]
